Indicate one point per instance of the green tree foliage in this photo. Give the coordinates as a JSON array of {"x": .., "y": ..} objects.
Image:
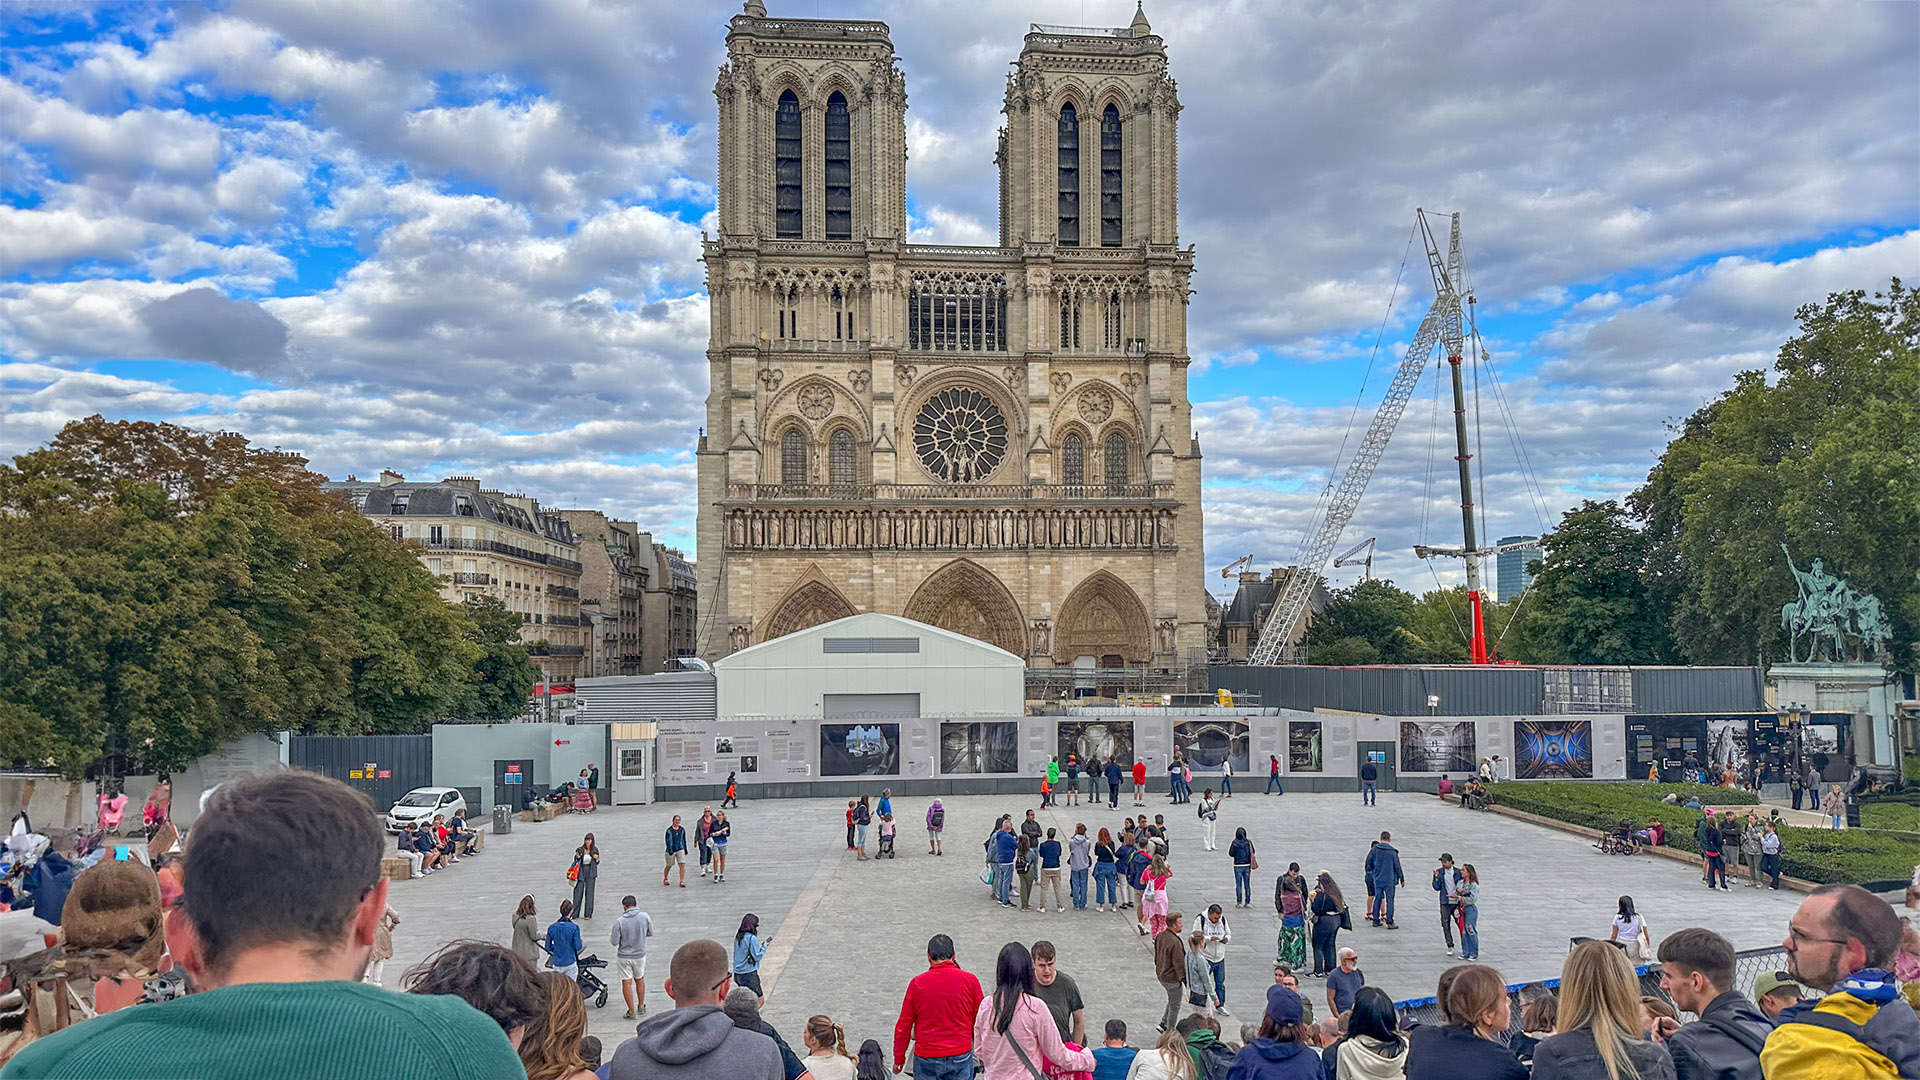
[
  {"x": 1377, "y": 622},
  {"x": 1589, "y": 603},
  {"x": 163, "y": 590},
  {"x": 1825, "y": 459},
  {"x": 503, "y": 675}
]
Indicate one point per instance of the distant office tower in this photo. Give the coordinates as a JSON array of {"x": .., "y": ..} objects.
[{"x": 1514, "y": 575}]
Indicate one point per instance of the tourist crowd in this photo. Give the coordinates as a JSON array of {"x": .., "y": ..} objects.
[{"x": 276, "y": 932}]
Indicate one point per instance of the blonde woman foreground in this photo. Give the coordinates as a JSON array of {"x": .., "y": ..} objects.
[{"x": 1599, "y": 1025}]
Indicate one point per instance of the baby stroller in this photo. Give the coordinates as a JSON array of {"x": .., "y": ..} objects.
[
  {"x": 592, "y": 987},
  {"x": 1620, "y": 841},
  {"x": 886, "y": 847}
]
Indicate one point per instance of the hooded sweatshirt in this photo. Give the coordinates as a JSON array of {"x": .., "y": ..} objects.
[
  {"x": 698, "y": 1042},
  {"x": 630, "y": 933},
  {"x": 1265, "y": 1059},
  {"x": 1868, "y": 998},
  {"x": 1365, "y": 1058}
]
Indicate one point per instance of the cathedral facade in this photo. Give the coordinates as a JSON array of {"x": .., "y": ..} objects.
[{"x": 994, "y": 440}]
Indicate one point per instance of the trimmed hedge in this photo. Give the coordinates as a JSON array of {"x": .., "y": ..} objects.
[
  {"x": 1890, "y": 815},
  {"x": 1819, "y": 855}
]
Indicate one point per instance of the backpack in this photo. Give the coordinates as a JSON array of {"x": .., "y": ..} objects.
[
  {"x": 939, "y": 818},
  {"x": 1747, "y": 1068},
  {"x": 1200, "y": 811},
  {"x": 862, "y": 816}
]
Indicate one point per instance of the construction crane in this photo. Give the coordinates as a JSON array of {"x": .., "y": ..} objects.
[
  {"x": 1346, "y": 558},
  {"x": 1226, "y": 571},
  {"x": 1442, "y": 324}
]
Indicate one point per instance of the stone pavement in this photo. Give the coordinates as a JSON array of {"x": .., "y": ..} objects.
[{"x": 848, "y": 935}]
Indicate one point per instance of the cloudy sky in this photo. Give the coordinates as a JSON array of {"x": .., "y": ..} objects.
[{"x": 446, "y": 237}]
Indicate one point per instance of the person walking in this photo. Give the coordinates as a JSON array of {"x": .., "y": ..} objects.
[
  {"x": 1469, "y": 912},
  {"x": 1209, "y": 818},
  {"x": 1290, "y": 902},
  {"x": 629, "y": 940},
  {"x": 586, "y": 866},
  {"x": 676, "y": 852},
  {"x": 1153, "y": 900},
  {"x": 1049, "y": 852},
  {"x": 1384, "y": 875},
  {"x": 1023, "y": 858},
  {"x": 748, "y": 950},
  {"x": 526, "y": 931},
  {"x": 382, "y": 945},
  {"x": 862, "y": 820},
  {"x": 936, "y": 1017},
  {"x": 720, "y": 836},
  {"x": 1770, "y": 854},
  {"x": 1369, "y": 781},
  {"x": 1834, "y": 805},
  {"x": 1597, "y": 1033},
  {"x": 1215, "y": 934},
  {"x": 1241, "y": 852},
  {"x": 703, "y": 829},
  {"x": 1079, "y": 862},
  {"x": 1113, "y": 785},
  {"x": 1002, "y": 850},
  {"x": 1226, "y": 778},
  {"x": 1106, "y": 873},
  {"x": 1170, "y": 967},
  {"x": 1013, "y": 1030},
  {"x": 1446, "y": 882},
  {"x": 1273, "y": 773},
  {"x": 1139, "y": 783},
  {"x": 563, "y": 943},
  {"x": 1630, "y": 932},
  {"x": 936, "y": 824},
  {"x": 1329, "y": 910},
  {"x": 732, "y": 797}
]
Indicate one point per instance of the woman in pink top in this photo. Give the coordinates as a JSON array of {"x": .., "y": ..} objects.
[
  {"x": 1011, "y": 1022},
  {"x": 1153, "y": 901}
]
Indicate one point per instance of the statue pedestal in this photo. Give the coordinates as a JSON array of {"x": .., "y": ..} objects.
[{"x": 1863, "y": 690}]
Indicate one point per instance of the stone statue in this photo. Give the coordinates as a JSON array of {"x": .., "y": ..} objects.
[
  {"x": 737, "y": 637},
  {"x": 1829, "y": 613},
  {"x": 1042, "y": 643},
  {"x": 1168, "y": 632}
]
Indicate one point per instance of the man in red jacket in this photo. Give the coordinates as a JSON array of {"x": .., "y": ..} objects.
[
  {"x": 937, "y": 1017},
  {"x": 1139, "y": 783}
]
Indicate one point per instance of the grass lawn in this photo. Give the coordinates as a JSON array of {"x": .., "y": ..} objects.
[
  {"x": 1820, "y": 855},
  {"x": 1890, "y": 816}
]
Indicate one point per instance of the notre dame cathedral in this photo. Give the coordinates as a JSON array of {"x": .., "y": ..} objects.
[{"x": 995, "y": 440}]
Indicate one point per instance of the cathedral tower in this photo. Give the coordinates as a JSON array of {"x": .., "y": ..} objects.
[{"x": 995, "y": 440}]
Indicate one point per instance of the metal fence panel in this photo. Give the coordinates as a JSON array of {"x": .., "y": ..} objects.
[{"x": 399, "y": 763}]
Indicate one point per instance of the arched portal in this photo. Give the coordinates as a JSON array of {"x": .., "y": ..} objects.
[
  {"x": 964, "y": 598},
  {"x": 1102, "y": 618},
  {"x": 809, "y": 603}
]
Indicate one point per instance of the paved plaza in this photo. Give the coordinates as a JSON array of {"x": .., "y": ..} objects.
[{"x": 848, "y": 935}]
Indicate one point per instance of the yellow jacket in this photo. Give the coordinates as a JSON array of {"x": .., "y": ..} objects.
[{"x": 1800, "y": 1051}]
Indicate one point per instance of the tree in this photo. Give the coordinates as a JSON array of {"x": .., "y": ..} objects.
[
  {"x": 1373, "y": 613},
  {"x": 504, "y": 674},
  {"x": 1823, "y": 460},
  {"x": 1590, "y": 603}
]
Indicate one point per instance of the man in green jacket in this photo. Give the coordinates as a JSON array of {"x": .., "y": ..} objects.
[{"x": 278, "y": 912}]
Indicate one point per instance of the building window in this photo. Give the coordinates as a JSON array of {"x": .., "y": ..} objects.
[
  {"x": 956, "y": 312},
  {"x": 793, "y": 458},
  {"x": 1110, "y": 177},
  {"x": 786, "y": 167},
  {"x": 1110, "y": 325},
  {"x": 1073, "y": 461},
  {"x": 1069, "y": 177},
  {"x": 841, "y": 467},
  {"x": 839, "y": 170},
  {"x": 1069, "y": 320},
  {"x": 1116, "y": 461},
  {"x": 436, "y": 535}
]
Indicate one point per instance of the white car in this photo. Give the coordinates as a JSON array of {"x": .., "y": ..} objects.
[{"x": 422, "y": 803}]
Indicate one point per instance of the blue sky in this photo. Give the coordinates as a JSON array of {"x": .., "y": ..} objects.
[{"x": 443, "y": 237}]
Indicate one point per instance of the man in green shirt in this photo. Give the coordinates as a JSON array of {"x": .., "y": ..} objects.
[{"x": 278, "y": 910}]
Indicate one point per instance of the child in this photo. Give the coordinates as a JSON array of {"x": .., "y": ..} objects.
[
  {"x": 1046, "y": 793},
  {"x": 886, "y": 836},
  {"x": 850, "y": 806},
  {"x": 1199, "y": 976}
]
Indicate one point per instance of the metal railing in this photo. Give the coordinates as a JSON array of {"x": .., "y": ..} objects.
[
  {"x": 981, "y": 492},
  {"x": 465, "y": 578},
  {"x": 563, "y": 620},
  {"x": 563, "y": 590}
]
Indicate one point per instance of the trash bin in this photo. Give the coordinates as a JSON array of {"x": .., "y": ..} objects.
[{"x": 502, "y": 819}]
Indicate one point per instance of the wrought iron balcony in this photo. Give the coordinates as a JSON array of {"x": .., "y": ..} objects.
[
  {"x": 464, "y": 578},
  {"x": 563, "y": 590}
]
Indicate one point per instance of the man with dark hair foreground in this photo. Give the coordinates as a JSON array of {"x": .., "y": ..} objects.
[
  {"x": 1842, "y": 940},
  {"x": 696, "y": 1040},
  {"x": 280, "y": 903},
  {"x": 1696, "y": 971}
]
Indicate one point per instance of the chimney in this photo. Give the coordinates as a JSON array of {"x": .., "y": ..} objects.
[
  {"x": 471, "y": 483},
  {"x": 388, "y": 478}
]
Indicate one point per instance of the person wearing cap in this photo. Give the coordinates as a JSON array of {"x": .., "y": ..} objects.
[
  {"x": 1344, "y": 982},
  {"x": 1280, "y": 1050},
  {"x": 1446, "y": 882},
  {"x": 1775, "y": 992}
]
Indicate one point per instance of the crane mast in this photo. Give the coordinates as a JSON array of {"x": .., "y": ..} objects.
[{"x": 1440, "y": 326}]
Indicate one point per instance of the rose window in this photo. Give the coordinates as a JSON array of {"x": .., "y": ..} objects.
[{"x": 960, "y": 436}]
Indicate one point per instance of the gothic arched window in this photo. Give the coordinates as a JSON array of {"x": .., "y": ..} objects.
[
  {"x": 1110, "y": 177},
  {"x": 1110, "y": 324},
  {"x": 1116, "y": 460},
  {"x": 841, "y": 470},
  {"x": 786, "y": 167},
  {"x": 839, "y": 170},
  {"x": 793, "y": 458},
  {"x": 1069, "y": 176},
  {"x": 1073, "y": 461}
]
